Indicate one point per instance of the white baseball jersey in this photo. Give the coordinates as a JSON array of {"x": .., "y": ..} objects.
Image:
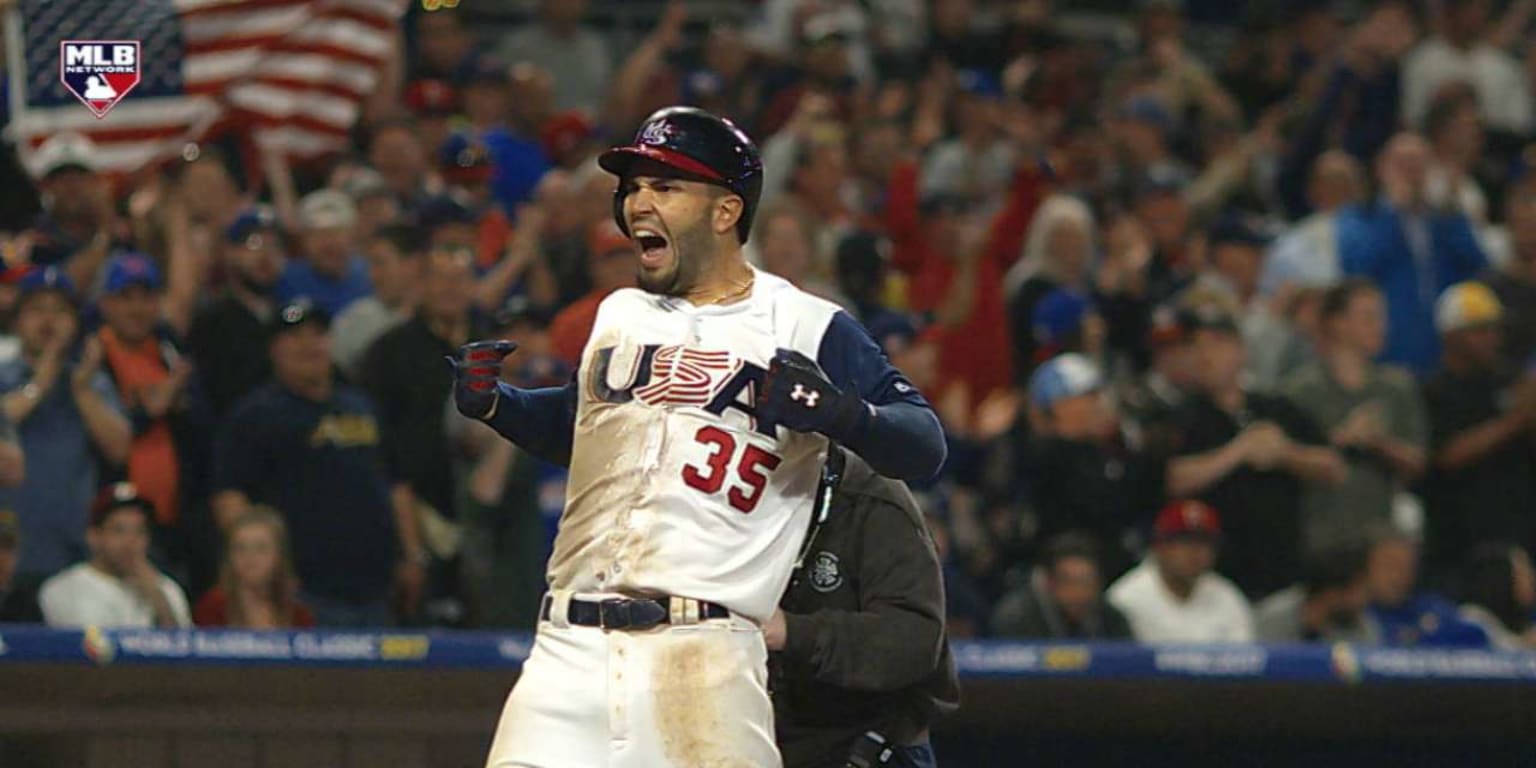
[{"x": 675, "y": 487}]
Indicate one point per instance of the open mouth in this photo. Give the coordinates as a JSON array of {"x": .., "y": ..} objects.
[{"x": 654, "y": 247}]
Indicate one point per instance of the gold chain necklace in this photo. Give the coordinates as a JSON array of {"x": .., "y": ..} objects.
[{"x": 740, "y": 291}]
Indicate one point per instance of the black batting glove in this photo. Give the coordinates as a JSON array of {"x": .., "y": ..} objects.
[
  {"x": 476, "y": 371},
  {"x": 797, "y": 395}
]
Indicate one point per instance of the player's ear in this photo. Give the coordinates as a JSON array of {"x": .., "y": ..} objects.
[{"x": 728, "y": 208}]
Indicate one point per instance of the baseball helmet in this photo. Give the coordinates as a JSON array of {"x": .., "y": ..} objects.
[{"x": 698, "y": 146}]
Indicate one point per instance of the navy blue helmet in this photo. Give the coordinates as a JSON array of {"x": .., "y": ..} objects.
[{"x": 695, "y": 145}]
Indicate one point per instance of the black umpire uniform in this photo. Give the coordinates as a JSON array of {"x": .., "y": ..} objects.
[{"x": 865, "y": 649}]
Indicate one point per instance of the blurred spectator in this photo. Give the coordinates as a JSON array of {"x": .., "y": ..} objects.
[
  {"x": 1140, "y": 130},
  {"x": 512, "y": 502},
  {"x": 1247, "y": 452},
  {"x": 117, "y": 588},
  {"x": 1374, "y": 413},
  {"x": 1064, "y": 600},
  {"x": 509, "y": 159},
  {"x": 1455, "y": 135},
  {"x": 976, "y": 164},
  {"x": 863, "y": 268},
  {"x": 433, "y": 104},
  {"x": 1235, "y": 246},
  {"x": 1173, "y": 596},
  {"x": 956, "y": 37},
  {"x": 257, "y": 587},
  {"x": 1482, "y": 479},
  {"x": 1328, "y": 605},
  {"x": 226, "y": 330},
  {"x": 330, "y": 274},
  {"x": 1151, "y": 254},
  {"x": 442, "y": 44},
  {"x": 785, "y": 247},
  {"x": 1066, "y": 321},
  {"x": 309, "y": 446},
  {"x": 1307, "y": 254},
  {"x": 396, "y": 152},
  {"x": 1499, "y": 594},
  {"x": 1058, "y": 254},
  {"x": 18, "y": 604},
  {"x": 394, "y": 269},
  {"x": 1076, "y": 473},
  {"x": 822, "y": 70},
  {"x": 1403, "y": 615},
  {"x": 153, "y": 383},
  {"x": 611, "y": 263},
  {"x": 376, "y": 206},
  {"x": 1409, "y": 250},
  {"x": 1514, "y": 281},
  {"x": 1459, "y": 52},
  {"x": 71, "y": 425},
  {"x": 78, "y": 225},
  {"x": 955, "y": 265},
  {"x": 403, "y": 372},
  {"x": 1151, "y": 402},
  {"x": 576, "y": 56},
  {"x": 781, "y": 23}
]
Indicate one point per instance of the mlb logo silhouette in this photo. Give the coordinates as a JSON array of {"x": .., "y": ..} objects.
[{"x": 99, "y": 72}]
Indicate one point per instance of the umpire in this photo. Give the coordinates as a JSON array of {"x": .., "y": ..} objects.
[{"x": 860, "y": 657}]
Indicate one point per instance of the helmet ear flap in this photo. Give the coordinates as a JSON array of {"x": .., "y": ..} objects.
[{"x": 619, "y": 193}]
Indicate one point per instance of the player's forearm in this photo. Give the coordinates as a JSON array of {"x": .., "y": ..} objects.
[
  {"x": 540, "y": 421},
  {"x": 882, "y": 650},
  {"x": 902, "y": 441}
]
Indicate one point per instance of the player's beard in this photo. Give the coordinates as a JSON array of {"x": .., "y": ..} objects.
[{"x": 690, "y": 251}]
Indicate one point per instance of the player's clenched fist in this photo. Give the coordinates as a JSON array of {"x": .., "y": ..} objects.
[
  {"x": 797, "y": 395},
  {"x": 476, "y": 370}
]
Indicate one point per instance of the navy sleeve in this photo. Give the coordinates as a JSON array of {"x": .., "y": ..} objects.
[
  {"x": 902, "y": 438},
  {"x": 540, "y": 421},
  {"x": 854, "y": 362}
]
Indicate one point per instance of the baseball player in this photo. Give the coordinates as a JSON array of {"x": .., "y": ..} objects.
[{"x": 695, "y": 431}]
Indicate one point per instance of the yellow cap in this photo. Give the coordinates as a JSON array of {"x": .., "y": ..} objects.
[{"x": 1467, "y": 305}]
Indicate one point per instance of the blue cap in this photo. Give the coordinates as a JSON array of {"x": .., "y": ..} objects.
[
  {"x": 1058, "y": 315},
  {"x": 461, "y": 150},
  {"x": 130, "y": 269},
  {"x": 249, "y": 222},
  {"x": 48, "y": 279},
  {"x": 979, "y": 82},
  {"x": 1061, "y": 377}
]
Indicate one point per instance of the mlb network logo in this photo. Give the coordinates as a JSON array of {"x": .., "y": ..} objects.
[{"x": 99, "y": 72}]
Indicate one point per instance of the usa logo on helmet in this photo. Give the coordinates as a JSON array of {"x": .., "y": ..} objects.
[{"x": 99, "y": 72}]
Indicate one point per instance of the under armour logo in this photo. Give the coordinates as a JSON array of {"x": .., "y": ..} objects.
[{"x": 809, "y": 397}]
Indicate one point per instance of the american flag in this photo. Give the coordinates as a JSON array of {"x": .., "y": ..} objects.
[{"x": 291, "y": 74}]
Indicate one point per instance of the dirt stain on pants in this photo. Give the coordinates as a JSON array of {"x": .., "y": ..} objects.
[{"x": 699, "y": 713}]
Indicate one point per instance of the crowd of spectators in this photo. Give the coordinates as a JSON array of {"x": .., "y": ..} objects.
[{"x": 1230, "y": 325}]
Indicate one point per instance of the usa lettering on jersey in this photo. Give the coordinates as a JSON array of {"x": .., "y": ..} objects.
[{"x": 678, "y": 375}]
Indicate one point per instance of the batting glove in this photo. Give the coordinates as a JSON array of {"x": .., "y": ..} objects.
[
  {"x": 476, "y": 371},
  {"x": 797, "y": 395}
]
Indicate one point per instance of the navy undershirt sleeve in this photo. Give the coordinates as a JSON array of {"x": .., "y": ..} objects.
[
  {"x": 903, "y": 438},
  {"x": 540, "y": 421}
]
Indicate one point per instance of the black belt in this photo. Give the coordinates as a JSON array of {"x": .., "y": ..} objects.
[{"x": 626, "y": 613}]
